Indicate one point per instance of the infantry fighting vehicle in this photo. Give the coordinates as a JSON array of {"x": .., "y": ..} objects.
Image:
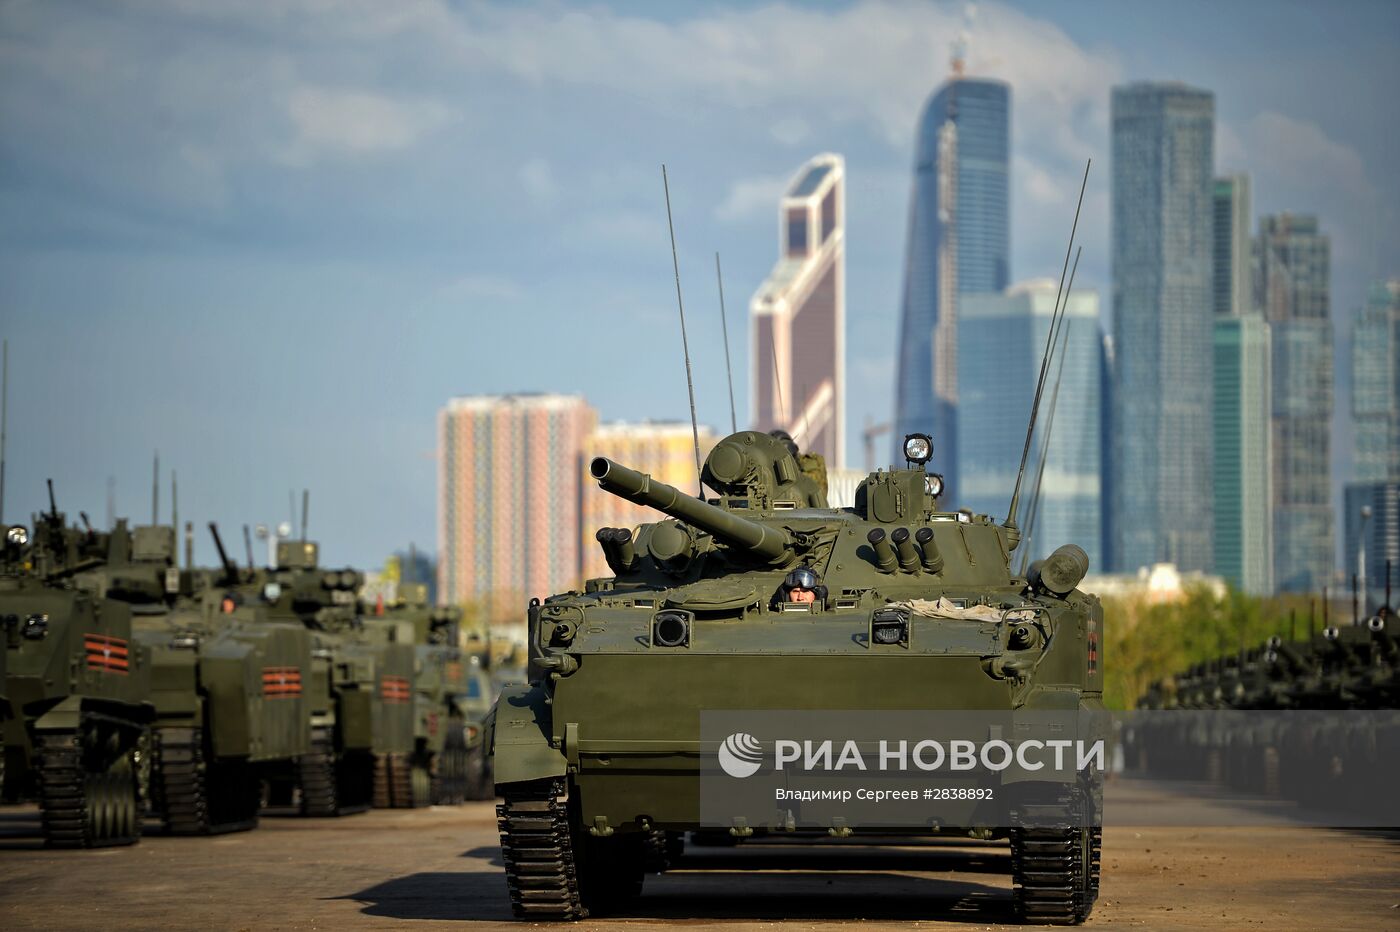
[
  {"x": 452, "y": 696},
  {"x": 1321, "y": 756},
  {"x": 360, "y": 691},
  {"x": 227, "y": 683},
  {"x": 79, "y": 685},
  {"x": 599, "y": 758}
]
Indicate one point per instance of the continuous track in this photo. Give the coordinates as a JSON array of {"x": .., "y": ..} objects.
[
  {"x": 197, "y": 796},
  {"x": 1056, "y": 867},
  {"x": 86, "y": 803}
]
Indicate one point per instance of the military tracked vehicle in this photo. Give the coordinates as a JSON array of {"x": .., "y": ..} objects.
[
  {"x": 227, "y": 684},
  {"x": 599, "y": 757},
  {"x": 1326, "y": 761},
  {"x": 452, "y": 696},
  {"x": 360, "y": 691},
  {"x": 79, "y": 686}
]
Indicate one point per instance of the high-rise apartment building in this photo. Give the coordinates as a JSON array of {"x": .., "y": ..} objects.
[
  {"x": 1292, "y": 283},
  {"x": 1243, "y": 502},
  {"x": 1232, "y": 267},
  {"x": 959, "y": 243},
  {"x": 1005, "y": 336},
  {"x": 509, "y": 492},
  {"x": 1375, "y": 384},
  {"x": 663, "y": 450},
  {"x": 1163, "y": 311},
  {"x": 798, "y": 316}
]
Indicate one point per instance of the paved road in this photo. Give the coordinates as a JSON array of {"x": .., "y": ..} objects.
[{"x": 427, "y": 868}]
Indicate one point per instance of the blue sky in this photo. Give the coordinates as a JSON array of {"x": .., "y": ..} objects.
[{"x": 271, "y": 239}]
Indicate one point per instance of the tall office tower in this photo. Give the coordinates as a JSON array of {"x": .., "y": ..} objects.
[
  {"x": 1375, "y": 412},
  {"x": 1162, "y": 316},
  {"x": 1292, "y": 282},
  {"x": 1233, "y": 287},
  {"x": 509, "y": 487},
  {"x": 1373, "y": 538},
  {"x": 799, "y": 316},
  {"x": 959, "y": 243},
  {"x": 1244, "y": 552},
  {"x": 1107, "y": 378},
  {"x": 1375, "y": 384},
  {"x": 1011, "y": 329},
  {"x": 664, "y": 450}
]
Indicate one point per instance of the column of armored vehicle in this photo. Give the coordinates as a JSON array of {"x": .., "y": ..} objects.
[
  {"x": 132, "y": 687},
  {"x": 1327, "y": 759}
]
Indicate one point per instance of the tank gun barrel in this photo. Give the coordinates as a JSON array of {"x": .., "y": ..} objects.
[
  {"x": 230, "y": 571},
  {"x": 771, "y": 544}
]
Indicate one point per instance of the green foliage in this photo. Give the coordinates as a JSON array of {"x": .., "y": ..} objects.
[{"x": 1146, "y": 642}]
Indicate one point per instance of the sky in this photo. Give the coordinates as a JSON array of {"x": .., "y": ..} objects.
[{"x": 270, "y": 240}]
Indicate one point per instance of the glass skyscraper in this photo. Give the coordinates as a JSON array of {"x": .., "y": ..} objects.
[
  {"x": 1233, "y": 284},
  {"x": 1375, "y": 384},
  {"x": 958, "y": 244},
  {"x": 1163, "y": 304},
  {"x": 1243, "y": 502},
  {"x": 1375, "y": 412},
  {"x": 1001, "y": 338},
  {"x": 1293, "y": 282}
]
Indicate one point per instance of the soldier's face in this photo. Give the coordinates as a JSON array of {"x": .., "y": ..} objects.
[{"x": 802, "y": 595}]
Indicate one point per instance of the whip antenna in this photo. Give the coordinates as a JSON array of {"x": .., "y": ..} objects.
[
  {"x": 685, "y": 344},
  {"x": 1045, "y": 362},
  {"x": 729, "y": 372},
  {"x": 155, "y": 490},
  {"x": 777, "y": 379},
  {"x": 1063, "y": 350},
  {"x": 174, "y": 510}
]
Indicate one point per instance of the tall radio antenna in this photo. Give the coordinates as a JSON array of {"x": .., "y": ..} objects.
[
  {"x": 728, "y": 371},
  {"x": 685, "y": 343},
  {"x": 1010, "y": 523},
  {"x": 1062, "y": 345}
]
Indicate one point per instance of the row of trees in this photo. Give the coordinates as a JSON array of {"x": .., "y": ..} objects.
[{"x": 1146, "y": 642}]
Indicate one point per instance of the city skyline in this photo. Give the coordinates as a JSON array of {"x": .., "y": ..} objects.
[{"x": 251, "y": 270}]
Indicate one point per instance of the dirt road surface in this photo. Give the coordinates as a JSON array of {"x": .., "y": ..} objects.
[{"x": 433, "y": 868}]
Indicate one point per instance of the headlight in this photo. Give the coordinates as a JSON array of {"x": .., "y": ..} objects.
[
  {"x": 889, "y": 626},
  {"x": 36, "y": 627},
  {"x": 17, "y": 535},
  {"x": 185, "y": 640},
  {"x": 933, "y": 485},
  {"x": 671, "y": 629},
  {"x": 272, "y": 591},
  {"x": 918, "y": 448}
]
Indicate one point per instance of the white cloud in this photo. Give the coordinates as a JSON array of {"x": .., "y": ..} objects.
[
  {"x": 339, "y": 121},
  {"x": 749, "y": 197},
  {"x": 1296, "y": 153}
]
